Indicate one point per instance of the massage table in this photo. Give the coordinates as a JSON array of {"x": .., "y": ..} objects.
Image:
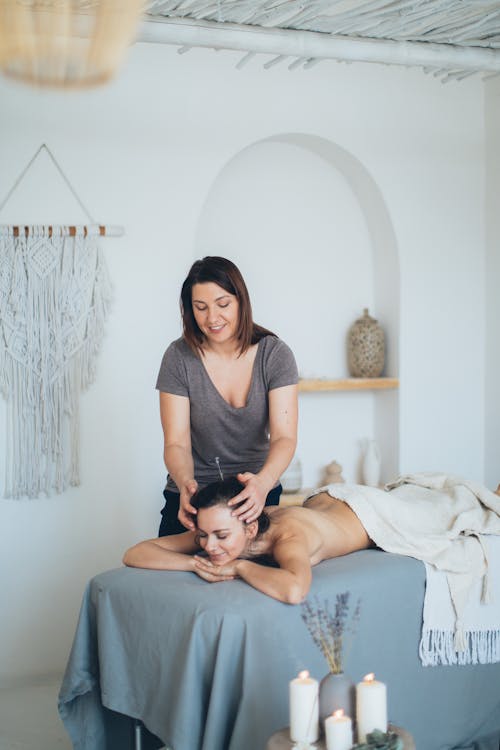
[{"x": 203, "y": 666}]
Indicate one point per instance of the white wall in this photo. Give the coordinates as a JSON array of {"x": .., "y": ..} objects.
[
  {"x": 492, "y": 291},
  {"x": 145, "y": 152},
  {"x": 296, "y": 229}
]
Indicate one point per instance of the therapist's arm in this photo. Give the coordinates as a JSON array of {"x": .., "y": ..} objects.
[
  {"x": 283, "y": 418},
  {"x": 164, "y": 553},
  {"x": 175, "y": 420}
]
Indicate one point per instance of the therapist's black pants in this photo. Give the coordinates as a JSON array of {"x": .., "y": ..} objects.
[{"x": 170, "y": 524}]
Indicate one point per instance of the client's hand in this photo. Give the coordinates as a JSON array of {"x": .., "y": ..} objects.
[
  {"x": 254, "y": 494},
  {"x": 186, "y": 510},
  {"x": 214, "y": 573}
]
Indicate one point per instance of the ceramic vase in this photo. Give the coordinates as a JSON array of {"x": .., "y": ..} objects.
[
  {"x": 336, "y": 691},
  {"x": 365, "y": 348},
  {"x": 291, "y": 479},
  {"x": 371, "y": 464}
]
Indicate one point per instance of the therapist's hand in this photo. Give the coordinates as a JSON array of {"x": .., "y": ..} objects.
[
  {"x": 186, "y": 510},
  {"x": 254, "y": 494}
]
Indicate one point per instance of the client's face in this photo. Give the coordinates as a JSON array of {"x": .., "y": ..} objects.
[{"x": 221, "y": 535}]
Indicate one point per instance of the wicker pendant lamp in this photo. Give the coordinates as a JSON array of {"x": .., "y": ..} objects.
[{"x": 65, "y": 43}]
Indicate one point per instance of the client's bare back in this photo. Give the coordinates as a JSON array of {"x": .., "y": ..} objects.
[{"x": 331, "y": 528}]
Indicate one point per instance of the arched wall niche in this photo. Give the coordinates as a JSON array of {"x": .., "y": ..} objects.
[{"x": 341, "y": 206}]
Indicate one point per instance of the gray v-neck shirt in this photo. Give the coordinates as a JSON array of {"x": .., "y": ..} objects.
[{"x": 238, "y": 436}]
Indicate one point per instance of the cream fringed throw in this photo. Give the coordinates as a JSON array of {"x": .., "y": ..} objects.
[
  {"x": 453, "y": 525},
  {"x": 54, "y": 296},
  {"x": 480, "y": 619}
]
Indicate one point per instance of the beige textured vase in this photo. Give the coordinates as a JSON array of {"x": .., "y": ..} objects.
[{"x": 366, "y": 348}]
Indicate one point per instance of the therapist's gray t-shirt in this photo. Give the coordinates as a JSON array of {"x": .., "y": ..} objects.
[{"x": 238, "y": 436}]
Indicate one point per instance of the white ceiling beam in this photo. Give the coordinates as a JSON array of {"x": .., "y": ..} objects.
[{"x": 314, "y": 45}]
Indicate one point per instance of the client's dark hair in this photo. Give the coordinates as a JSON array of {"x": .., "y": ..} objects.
[{"x": 219, "y": 493}]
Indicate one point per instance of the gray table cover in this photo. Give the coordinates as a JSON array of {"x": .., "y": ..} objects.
[{"x": 207, "y": 666}]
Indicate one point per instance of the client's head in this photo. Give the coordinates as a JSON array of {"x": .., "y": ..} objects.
[{"x": 223, "y": 536}]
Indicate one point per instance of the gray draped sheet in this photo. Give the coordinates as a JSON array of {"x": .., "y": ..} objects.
[{"x": 206, "y": 666}]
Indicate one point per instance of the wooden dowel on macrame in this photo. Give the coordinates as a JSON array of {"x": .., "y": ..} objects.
[{"x": 97, "y": 229}]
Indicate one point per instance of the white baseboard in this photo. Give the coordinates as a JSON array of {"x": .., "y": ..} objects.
[{"x": 13, "y": 682}]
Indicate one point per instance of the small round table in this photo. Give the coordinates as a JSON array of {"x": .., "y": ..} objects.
[{"x": 281, "y": 740}]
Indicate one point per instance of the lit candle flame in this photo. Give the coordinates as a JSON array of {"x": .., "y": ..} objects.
[
  {"x": 303, "y": 675},
  {"x": 338, "y": 714},
  {"x": 369, "y": 677}
]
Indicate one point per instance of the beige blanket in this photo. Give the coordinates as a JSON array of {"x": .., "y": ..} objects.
[{"x": 435, "y": 518}]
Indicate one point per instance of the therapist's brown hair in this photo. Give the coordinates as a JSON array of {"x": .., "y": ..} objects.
[{"x": 224, "y": 273}]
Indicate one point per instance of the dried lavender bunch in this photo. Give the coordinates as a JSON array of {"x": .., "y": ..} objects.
[{"x": 331, "y": 633}]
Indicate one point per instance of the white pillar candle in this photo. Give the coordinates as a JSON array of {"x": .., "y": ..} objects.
[
  {"x": 371, "y": 706},
  {"x": 304, "y": 708},
  {"x": 338, "y": 731}
]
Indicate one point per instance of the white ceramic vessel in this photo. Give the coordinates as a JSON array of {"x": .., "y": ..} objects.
[
  {"x": 371, "y": 464},
  {"x": 291, "y": 479}
]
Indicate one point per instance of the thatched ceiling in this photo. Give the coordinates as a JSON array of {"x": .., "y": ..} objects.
[
  {"x": 473, "y": 23},
  {"x": 455, "y": 37}
]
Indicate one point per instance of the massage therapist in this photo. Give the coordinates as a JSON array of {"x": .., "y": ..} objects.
[{"x": 228, "y": 398}]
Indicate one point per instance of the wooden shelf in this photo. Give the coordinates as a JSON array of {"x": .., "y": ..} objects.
[
  {"x": 307, "y": 385},
  {"x": 293, "y": 498}
]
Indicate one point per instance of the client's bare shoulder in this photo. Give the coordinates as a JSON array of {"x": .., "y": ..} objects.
[{"x": 327, "y": 525}]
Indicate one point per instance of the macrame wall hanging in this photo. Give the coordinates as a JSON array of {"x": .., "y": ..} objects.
[{"x": 54, "y": 297}]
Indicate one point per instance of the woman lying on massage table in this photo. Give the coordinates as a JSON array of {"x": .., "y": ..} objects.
[{"x": 296, "y": 538}]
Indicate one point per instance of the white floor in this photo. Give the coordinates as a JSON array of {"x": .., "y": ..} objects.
[{"x": 29, "y": 718}]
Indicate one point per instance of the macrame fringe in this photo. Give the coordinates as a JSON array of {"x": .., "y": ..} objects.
[
  {"x": 55, "y": 294},
  {"x": 438, "y": 647}
]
